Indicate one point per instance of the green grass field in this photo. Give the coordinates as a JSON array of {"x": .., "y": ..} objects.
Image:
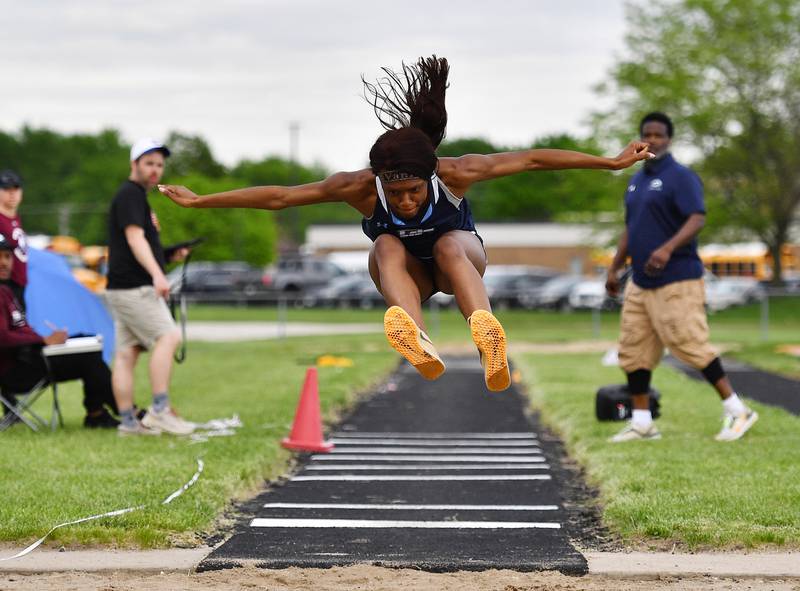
[
  {"x": 55, "y": 477},
  {"x": 685, "y": 488}
]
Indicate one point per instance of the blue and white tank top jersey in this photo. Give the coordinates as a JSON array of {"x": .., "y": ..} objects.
[{"x": 442, "y": 213}]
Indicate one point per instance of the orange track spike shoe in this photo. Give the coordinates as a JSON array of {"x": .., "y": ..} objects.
[
  {"x": 490, "y": 338},
  {"x": 412, "y": 343}
]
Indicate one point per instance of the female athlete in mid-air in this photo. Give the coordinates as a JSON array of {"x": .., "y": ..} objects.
[{"x": 424, "y": 239}]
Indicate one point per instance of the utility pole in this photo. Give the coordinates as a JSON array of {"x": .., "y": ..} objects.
[
  {"x": 294, "y": 222},
  {"x": 64, "y": 215}
]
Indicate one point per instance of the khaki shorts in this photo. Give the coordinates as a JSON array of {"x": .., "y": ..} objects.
[
  {"x": 673, "y": 316},
  {"x": 140, "y": 316}
]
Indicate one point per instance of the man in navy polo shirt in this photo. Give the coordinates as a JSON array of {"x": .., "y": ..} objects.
[{"x": 665, "y": 299}]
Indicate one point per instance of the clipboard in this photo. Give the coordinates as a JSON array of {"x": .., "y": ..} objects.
[{"x": 90, "y": 344}]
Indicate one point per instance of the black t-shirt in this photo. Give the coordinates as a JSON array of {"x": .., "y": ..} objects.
[{"x": 130, "y": 208}]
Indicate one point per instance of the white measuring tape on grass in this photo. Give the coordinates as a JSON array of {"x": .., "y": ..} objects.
[{"x": 166, "y": 501}]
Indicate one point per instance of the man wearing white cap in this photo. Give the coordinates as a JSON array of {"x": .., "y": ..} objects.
[{"x": 136, "y": 294}]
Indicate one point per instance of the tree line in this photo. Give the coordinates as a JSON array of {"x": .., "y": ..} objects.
[{"x": 70, "y": 180}]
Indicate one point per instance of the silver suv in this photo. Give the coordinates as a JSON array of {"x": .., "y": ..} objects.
[{"x": 299, "y": 274}]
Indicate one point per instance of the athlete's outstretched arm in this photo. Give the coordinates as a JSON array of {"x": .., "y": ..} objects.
[
  {"x": 476, "y": 167},
  {"x": 342, "y": 186}
]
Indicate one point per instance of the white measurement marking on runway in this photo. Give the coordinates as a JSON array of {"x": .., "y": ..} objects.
[
  {"x": 435, "y": 450},
  {"x": 403, "y": 506},
  {"x": 431, "y": 458},
  {"x": 428, "y": 467},
  {"x": 424, "y": 478},
  {"x": 420, "y": 435},
  {"x": 366, "y": 523},
  {"x": 436, "y": 442}
]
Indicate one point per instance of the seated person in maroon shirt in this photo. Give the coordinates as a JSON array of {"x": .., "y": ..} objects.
[{"x": 22, "y": 364}]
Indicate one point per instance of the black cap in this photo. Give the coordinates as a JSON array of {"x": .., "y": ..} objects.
[
  {"x": 9, "y": 178},
  {"x": 5, "y": 244}
]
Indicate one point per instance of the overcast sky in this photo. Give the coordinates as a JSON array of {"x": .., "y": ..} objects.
[{"x": 237, "y": 72}]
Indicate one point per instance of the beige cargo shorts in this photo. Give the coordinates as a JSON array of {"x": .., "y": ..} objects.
[
  {"x": 140, "y": 316},
  {"x": 672, "y": 316}
]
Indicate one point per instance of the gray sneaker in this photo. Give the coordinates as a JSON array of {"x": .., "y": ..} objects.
[
  {"x": 734, "y": 427},
  {"x": 168, "y": 421},
  {"x": 633, "y": 433},
  {"x": 137, "y": 429}
]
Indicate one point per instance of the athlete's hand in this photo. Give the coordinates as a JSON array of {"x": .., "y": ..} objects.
[
  {"x": 633, "y": 153},
  {"x": 179, "y": 194}
]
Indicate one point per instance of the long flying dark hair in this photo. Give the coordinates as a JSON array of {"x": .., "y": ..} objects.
[{"x": 410, "y": 104}]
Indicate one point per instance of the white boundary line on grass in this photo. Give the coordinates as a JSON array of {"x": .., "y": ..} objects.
[{"x": 116, "y": 513}]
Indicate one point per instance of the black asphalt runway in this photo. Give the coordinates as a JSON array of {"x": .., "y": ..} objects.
[
  {"x": 439, "y": 476},
  {"x": 750, "y": 382}
]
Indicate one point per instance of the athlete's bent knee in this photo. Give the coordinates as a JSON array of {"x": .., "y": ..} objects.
[
  {"x": 447, "y": 248},
  {"x": 387, "y": 245}
]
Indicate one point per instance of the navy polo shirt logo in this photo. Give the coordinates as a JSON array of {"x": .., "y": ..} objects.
[
  {"x": 631, "y": 188},
  {"x": 656, "y": 185}
]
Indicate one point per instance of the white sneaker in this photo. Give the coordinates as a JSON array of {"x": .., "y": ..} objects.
[
  {"x": 168, "y": 421},
  {"x": 734, "y": 427},
  {"x": 138, "y": 429},
  {"x": 634, "y": 433}
]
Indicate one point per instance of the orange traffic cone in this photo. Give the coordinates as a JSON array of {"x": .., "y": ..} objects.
[{"x": 306, "y": 432}]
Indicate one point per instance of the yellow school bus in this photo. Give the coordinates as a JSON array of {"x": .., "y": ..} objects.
[{"x": 749, "y": 259}]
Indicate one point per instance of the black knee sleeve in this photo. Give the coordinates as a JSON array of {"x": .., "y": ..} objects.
[
  {"x": 639, "y": 381},
  {"x": 713, "y": 372}
]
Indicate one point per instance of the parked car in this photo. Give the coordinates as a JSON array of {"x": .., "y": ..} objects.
[
  {"x": 369, "y": 297},
  {"x": 506, "y": 284},
  {"x": 300, "y": 274},
  {"x": 344, "y": 292},
  {"x": 590, "y": 294},
  {"x": 725, "y": 292},
  {"x": 443, "y": 300},
  {"x": 791, "y": 283},
  {"x": 222, "y": 278},
  {"x": 553, "y": 294},
  {"x": 750, "y": 288}
]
